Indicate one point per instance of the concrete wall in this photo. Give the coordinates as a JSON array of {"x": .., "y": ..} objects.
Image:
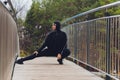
[{"x": 9, "y": 43}]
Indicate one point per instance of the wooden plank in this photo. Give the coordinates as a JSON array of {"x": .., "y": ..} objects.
[{"x": 47, "y": 68}]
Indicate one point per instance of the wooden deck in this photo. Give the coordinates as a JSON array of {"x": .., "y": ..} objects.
[{"x": 47, "y": 68}]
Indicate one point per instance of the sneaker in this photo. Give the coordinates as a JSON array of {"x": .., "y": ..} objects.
[
  {"x": 19, "y": 61},
  {"x": 60, "y": 61}
]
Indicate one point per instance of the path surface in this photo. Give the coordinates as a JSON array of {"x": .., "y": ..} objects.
[{"x": 47, "y": 68}]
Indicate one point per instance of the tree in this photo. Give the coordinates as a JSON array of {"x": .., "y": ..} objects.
[
  {"x": 44, "y": 12},
  {"x": 17, "y": 6},
  {"x": 33, "y": 27}
]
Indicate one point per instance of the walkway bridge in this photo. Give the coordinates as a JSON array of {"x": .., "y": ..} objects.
[{"x": 94, "y": 44}]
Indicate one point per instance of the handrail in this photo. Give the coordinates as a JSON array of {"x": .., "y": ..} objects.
[{"x": 93, "y": 10}]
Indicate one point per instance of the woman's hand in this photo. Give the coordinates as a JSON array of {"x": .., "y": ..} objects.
[
  {"x": 35, "y": 52},
  {"x": 59, "y": 56}
]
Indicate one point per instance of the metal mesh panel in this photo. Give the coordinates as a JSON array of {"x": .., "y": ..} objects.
[{"x": 88, "y": 42}]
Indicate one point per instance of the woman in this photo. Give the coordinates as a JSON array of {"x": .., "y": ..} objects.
[{"x": 53, "y": 46}]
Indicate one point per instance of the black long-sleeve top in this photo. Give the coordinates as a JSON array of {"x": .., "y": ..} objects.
[{"x": 54, "y": 42}]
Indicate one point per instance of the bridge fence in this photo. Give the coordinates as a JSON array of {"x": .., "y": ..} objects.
[{"x": 96, "y": 42}]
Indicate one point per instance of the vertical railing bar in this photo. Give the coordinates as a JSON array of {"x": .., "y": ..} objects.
[
  {"x": 88, "y": 41},
  {"x": 105, "y": 42},
  {"x": 118, "y": 47},
  {"x": 94, "y": 40},
  {"x": 76, "y": 41},
  {"x": 98, "y": 43},
  {"x": 108, "y": 49},
  {"x": 117, "y": 42},
  {"x": 102, "y": 47},
  {"x": 97, "y": 23},
  {"x": 115, "y": 46},
  {"x": 112, "y": 45}
]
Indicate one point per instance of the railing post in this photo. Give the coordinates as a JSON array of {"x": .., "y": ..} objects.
[
  {"x": 88, "y": 44},
  {"x": 75, "y": 43},
  {"x": 88, "y": 41},
  {"x": 108, "y": 47}
]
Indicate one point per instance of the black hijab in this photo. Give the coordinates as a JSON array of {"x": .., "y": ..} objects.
[{"x": 57, "y": 24}]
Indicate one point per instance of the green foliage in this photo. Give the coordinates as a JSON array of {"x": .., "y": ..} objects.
[
  {"x": 44, "y": 12},
  {"x": 111, "y": 11},
  {"x": 23, "y": 53},
  {"x": 20, "y": 22}
]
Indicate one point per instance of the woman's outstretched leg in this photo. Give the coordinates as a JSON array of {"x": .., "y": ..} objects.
[{"x": 32, "y": 56}]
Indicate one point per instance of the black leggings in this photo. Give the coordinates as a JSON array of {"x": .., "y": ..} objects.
[{"x": 45, "y": 52}]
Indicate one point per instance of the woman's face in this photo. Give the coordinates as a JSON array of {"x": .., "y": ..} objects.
[{"x": 53, "y": 27}]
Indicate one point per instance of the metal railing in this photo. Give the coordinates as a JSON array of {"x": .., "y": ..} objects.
[
  {"x": 96, "y": 42},
  {"x": 9, "y": 43}
]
